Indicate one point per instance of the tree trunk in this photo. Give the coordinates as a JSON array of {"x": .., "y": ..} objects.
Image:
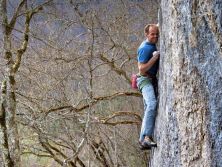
[
  {"x": 189, "y": 122},
  {"x": 8, "y": 162},
  {"x": 9, "y": 130}
]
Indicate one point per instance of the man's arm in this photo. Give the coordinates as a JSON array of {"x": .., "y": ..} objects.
[{"x": 144, "y": 67}]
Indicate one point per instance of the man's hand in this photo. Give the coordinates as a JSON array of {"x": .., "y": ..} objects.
[
  {"x": 143, "y": 68},
  {"x": 156, "y": 54}
]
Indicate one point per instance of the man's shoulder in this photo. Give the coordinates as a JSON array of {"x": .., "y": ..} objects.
[{"x": 146, "y": 46}]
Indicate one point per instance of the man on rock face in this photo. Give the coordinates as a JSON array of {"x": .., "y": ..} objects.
[{"x": 148, "y": 64}]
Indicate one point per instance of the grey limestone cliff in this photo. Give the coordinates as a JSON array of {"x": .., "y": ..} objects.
[{"x": 189, "y": 122}]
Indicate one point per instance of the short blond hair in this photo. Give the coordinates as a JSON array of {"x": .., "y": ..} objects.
[{"x": 147, "y": 27}]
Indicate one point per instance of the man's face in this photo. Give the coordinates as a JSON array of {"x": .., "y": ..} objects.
[{"x": 153, "y": 35}]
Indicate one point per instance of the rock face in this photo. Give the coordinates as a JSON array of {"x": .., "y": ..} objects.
[{"x": 189, "y": 122}]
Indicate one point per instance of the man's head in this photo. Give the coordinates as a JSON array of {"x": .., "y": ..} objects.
[{"x": 152, "y": 33}]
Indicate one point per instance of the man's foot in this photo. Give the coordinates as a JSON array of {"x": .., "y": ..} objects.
[
  {"x": 148, "y": 142},
  {"x": 143, "y": 146}
]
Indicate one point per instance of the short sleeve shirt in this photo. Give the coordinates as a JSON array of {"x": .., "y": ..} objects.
[{"x": 145, "y": 53}]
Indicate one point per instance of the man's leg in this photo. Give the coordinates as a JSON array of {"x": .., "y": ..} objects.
[{"x": 150, "y": 104}]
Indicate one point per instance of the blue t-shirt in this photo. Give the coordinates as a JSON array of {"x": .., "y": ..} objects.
[{"x": 144, "y": 54}]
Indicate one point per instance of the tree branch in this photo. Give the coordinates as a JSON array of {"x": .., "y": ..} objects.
[
  {"x": 115, "y": 68},
  {"x": 15, "y": 15},
  {"x": 24, "y": 45},
  {"x": 94, "y": 101},
  {"x": 120, "y": 113}
]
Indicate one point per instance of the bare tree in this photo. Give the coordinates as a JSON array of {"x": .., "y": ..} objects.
[
  {"x": 74, "y": 104},
  {"x": 12, "y": 56}
]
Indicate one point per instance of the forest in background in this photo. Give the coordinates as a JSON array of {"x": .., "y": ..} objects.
[{"x": 65, "y": 74}]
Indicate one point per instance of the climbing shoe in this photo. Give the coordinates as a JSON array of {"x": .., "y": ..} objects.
[
  {"x": 148, "y": 142},
  {"x": 144, "y": 146}
]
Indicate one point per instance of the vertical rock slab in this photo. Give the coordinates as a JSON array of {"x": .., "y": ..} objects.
[{"x": 189, "y": 122}]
